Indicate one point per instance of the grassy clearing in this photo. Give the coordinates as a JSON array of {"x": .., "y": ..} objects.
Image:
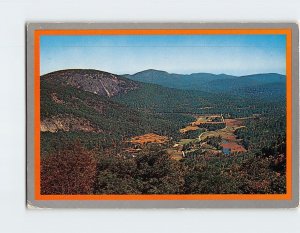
[
  {"x": 149, "y": 138},
  {"x": 189, "y": 128},
  {"x": 208, "y": 119},
  {"x": 187, "y": 141},
  {"x": 227, "y": 134}
]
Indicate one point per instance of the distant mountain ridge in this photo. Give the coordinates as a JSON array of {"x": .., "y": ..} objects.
[{"x": 205, "y": 81}]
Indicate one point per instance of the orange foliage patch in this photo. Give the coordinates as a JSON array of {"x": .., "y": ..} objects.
[
  {"x": 68, "y": 171},
  {"x": 149, "y": 138}
]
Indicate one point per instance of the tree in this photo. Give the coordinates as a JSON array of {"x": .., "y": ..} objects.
[
  {"x": 157, "y": 173},
  {"x": 70, "y": 170}
]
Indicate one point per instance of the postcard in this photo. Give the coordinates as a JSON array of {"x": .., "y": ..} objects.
[{"x": 162, "y": 115}]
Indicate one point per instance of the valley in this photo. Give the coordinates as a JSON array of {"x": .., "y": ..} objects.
[
  {"x": 214, "y": 135},
  {"x": 145, "y": 136}
]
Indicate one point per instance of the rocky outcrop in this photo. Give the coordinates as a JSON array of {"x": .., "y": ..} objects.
[
  {"x": 67, "y": 123},
  {"x": 56, "y": 99},
  {"x": 97, "y": 82}
]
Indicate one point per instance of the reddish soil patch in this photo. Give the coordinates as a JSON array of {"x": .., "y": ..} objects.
[
  {"x": 233, "y": 122},
  {"x": 228, "y": 137},
  {"x": 234, "y": 147}
]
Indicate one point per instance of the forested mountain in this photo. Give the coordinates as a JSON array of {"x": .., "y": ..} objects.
[
  {"x": 71, "y": 111},
  {"x": 269, "y": 92},
  {"x": 155, "y": 98},
  {"x": 216, "y": 83},
  {"x": 180, "y": 81}
]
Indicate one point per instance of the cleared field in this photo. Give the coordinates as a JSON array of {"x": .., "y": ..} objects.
[
  {"x": 187, "y": 141},
  {"x": 149, "y": 138},
  {"x": 227, "y": 134},
  {"x": 204, "y": 142},
  {"x": 234, "y": 147},
  {"x": 234, "y": 122},
  {"x": 189, "y": 128},
  {"x": 208, "y": 119}
]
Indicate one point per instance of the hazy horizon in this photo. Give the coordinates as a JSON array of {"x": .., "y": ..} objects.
[
  {"x": 236, "y": 55},
  {"x": 164, "y": 71}
]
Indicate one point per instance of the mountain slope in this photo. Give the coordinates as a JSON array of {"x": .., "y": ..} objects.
[
  {"x": 208, "y": 82},
  {"x": 248, "y": 81},
  {"x": 265, "y": 78},
  {"x": 69, "y": 112},
  {"x": 95, "y": 81},
  {"x": 180, "y": 81}
]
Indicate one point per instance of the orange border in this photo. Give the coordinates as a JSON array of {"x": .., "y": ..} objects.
[{"x": 287, "y": 32}]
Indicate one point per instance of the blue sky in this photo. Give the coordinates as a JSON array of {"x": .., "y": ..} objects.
[{"x": 185, "y": 54}]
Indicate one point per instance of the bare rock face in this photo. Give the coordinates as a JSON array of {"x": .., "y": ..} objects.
[
  {"x": 97, "y": 82},
  {"x": 56, "y": 99},
  {"x": 67, "y": 123}
]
